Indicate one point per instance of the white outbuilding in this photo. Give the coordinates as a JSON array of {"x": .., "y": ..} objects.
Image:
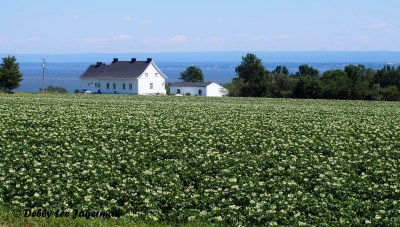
[
  {"x": 124, "y": 77},
  {"x": 198, "y": 89}
]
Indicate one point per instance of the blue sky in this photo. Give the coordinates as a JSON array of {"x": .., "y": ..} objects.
[{"x": 126, "y": 26}]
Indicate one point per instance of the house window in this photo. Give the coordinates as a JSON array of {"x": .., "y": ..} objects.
[
  {"x": 123, "y": 86},
  {"x": 200, "y": 92},
  {"x": 130, "y": 86},
  {"x": 151, "y": 85},
  {"x": 178, "y": 91},
  {"x": 156, "y": 74},
  {"x": 98, "y": 85},
  {"x": 146, "y": 75},
  {"x": 114, "y": 86},
  {"x": 108, "y": 85}
]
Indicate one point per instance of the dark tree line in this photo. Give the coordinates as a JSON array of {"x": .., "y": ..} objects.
[{"x": 353, "y": 82}]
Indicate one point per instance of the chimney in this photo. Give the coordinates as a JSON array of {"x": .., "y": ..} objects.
[
  {"x": 115, "y": 60},
  {"x": 98, "y": 64},
  {"x": 149, "y": 60},
  {"x": 133, "y": 60}
]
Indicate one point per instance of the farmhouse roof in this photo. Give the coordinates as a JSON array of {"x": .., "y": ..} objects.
[
  {"x": 117, "y": 69},
  {"x": 191, "y": 84}
]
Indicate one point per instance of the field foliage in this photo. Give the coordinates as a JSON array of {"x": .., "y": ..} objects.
[{"x": 234, "y": 161}]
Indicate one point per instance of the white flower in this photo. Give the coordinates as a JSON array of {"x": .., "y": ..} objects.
[
  {"x": 219, "y": 218},
  {"x": 232, "y": 180},
  {"x": 87, "y": 198}
]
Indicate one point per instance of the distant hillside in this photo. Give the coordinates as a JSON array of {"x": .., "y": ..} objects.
[{"x": 288, "y": 56}]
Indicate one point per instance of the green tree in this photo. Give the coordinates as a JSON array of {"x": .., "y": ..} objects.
[
  {"x": 280, "y": 86},
  {"x": 254, "y": 76},
  {"x": 168, "y": 88},
  {"x": 362, "y": 88},
  {"x": 308, "y": 87},
  {"x": 354, "y": 72},
  {"x": 336, "y": 85},
  {"x": 192, "y": 74},
  {"x": 390, "y": 93},
  {"x": 280, "y": 70},
  {"x": 10, "y": 76},
  {"x": 305, "y": 70},
  {"x": 362, "y": 81},
  {"x": 388, "y": 76},
  {"x": 235, "y": 88}
]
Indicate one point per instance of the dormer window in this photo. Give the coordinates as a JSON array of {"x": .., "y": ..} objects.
[
  {"x": 146, "y": 75},
  {"x": 156, "y": 74}
]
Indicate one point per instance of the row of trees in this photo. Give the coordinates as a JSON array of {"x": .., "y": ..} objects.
[
  {"x": 10, "y": 76},
  {"x": 354, "y": 82}
]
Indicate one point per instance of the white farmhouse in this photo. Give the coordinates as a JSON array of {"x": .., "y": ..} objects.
[
  {"x": 124, "y": 77},
  {"x": 198, "y": 89}
]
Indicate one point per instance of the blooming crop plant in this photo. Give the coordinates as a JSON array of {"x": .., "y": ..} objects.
[{"x": 233, "y": 161}]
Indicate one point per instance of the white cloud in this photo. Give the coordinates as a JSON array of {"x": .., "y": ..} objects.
[
  {"x": 379, "y": 26},
  {"x": 260, "y": 38},
  {"x": 96, "y": 40},
  {"x": 101, "y": 40},
  {"x": 35, "y": 39},
  {"x": 122, "y": 37},
  {"x": 263, "y": 38},
  {"x": 282, "y": 37},
  {"x": 174, "y": 39},
  {"x": 214, "y": 39},
  {"x": 127, "y": 18},
  {"x": 254, "y": 38},
  {"x": 179, "y": 39},
  {"x": 146, "y": 21},
  {"x": 365, "y": 39},
  {"x": 152, "y": 40}
]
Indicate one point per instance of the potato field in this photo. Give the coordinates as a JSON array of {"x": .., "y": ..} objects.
[{"x": 227, "y": 161}]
